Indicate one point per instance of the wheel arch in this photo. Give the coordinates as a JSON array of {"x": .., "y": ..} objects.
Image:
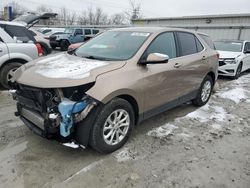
[
  {"x": 16, "y": 60},
  {"x": 133, "y": 103},
  {"x": 212, "y": 75}
]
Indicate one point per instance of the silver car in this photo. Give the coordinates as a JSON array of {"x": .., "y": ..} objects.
[{"x": 17, "y": 46}]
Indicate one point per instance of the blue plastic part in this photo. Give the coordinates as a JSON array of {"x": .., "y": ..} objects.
[{"x": 67, "y": 108}]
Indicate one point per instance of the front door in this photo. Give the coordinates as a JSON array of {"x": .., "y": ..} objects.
[
  {"x": 78, "y": 36},
  {"x": 246, "y": 59}
]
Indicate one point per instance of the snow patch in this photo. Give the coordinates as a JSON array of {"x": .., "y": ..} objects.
[
  {"x": 236, "y": 95},
  {"x": 124, "y": 155},
  {"x": 216, "y": 126},
  {"x": 162, "y": 131},
  {"x": 64, "y": 66}
]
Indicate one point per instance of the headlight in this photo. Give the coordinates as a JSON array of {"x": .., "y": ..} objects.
[{"x": 230, "y": 61}]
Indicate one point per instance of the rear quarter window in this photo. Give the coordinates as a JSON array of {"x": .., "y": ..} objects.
[
  {"x": 208, "y": 41},
  {"x": 20, "y": 32},
  {"x": 95, "y": 31}
]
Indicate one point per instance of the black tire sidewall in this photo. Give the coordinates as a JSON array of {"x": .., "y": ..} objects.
[
  {"x": 64, "y": 44},
  {"x": 237, "y": 74},
  {"x": 96, "y": 138},
  {"x": 198, "y": 101},
  {"x": 4, "y": 72}
]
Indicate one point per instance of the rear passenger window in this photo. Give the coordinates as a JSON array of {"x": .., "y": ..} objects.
[
  {"x": 208, "y": 40},
  {"x": 78, "y": 32},
  {"x": 164, "y": 44},
  {"x": 187, "y": 43},
  {"x": 199, "y": 45},
  {"x": 87, "y": 31}
]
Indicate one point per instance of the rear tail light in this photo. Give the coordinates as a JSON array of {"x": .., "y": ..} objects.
[{"x": 39, "y": 49}]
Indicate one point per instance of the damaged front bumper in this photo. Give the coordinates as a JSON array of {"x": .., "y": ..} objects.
[{"x": 50, "y": 114}]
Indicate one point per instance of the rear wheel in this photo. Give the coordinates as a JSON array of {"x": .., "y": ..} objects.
[
  {"x": 64, "y": 44},
  {"x": 112, "y": 126},
  {"x": 238, "y": 71},
  {"x": 204, "y": 91},
  {"x": 7, "y": 73},
  {"x": 45, "y": 51}
]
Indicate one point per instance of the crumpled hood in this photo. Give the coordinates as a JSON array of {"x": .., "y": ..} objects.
[
  {"x": 228, "y": 55},
  {"x": 63, "y": 70}
]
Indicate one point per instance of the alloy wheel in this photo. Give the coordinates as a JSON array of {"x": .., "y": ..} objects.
[{"x": 116, "y": 127}]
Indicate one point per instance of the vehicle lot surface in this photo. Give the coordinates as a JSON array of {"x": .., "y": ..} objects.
[{"x": 184, "y": 147}]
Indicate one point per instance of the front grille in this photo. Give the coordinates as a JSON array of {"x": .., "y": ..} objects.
[
  {"x": 32, "y": 98},
  {"x": 52, "y": 38},
  {"x": 222, "y": 63}
]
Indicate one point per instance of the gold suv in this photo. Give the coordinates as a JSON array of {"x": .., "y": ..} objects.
[{"x": 95, "y": 95}]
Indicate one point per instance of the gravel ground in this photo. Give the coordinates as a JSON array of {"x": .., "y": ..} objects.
[{"x": 184, "y": 147}]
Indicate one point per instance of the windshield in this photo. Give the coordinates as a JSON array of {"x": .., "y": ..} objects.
[
  {"x": 69, "y": 31},
  {"x": 228, "y": 46},
  {"x": 113, "y": 45}
]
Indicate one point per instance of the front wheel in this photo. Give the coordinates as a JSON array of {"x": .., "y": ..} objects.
[
  {"x": 238, "y": 71},
  {"x": 113, "y": 126},
  {"x": 205, "y": 91},
  {"x": 64, "y": 44}
]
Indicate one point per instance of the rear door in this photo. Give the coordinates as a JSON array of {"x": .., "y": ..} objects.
[{"x": 193, "y": 62}]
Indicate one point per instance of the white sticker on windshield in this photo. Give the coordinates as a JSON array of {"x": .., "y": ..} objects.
[
  {"x": 140, "y": 34},
  {"x": 99, "y": 46},
  {"x": 236, "y": 43}
]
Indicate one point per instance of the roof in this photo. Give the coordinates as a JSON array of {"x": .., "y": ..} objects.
[
  {"x": 150, "y": 29},
  {"x": 196, "y": 17},
  {"x": 11, "y": 23},
  {"x": 228, "y": 40}
]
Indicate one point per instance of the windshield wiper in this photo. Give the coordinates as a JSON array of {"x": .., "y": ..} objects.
[{"x": 96, "y": 58}]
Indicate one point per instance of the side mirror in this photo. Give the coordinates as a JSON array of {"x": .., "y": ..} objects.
[{"x": 155, "y": 58}]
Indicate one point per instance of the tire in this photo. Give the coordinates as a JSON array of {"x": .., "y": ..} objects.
[
  {"x": 108, "y": 145},
  {"x": 64, "y": 44},
  {"x": 238, "y": 72},
  {"x": 45, "y": 51},
  {"x": 6, "y": 73},
  {"x": 205, "y": 92}
]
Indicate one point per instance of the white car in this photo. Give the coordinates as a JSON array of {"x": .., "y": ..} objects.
[{"x": 234, "y": 57}]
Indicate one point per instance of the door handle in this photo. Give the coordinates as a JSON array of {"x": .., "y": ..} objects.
[{"x": 177, "y": 65}]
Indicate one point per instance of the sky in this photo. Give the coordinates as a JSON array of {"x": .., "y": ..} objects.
[{"x": 150, "y": 8}]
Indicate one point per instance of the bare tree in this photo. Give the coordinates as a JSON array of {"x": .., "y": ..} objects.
[
  {"x": 134, "y": 12},
  {"x": 65, "y": 17},
  {"x": 43, "y": 9},
  {"x": 117, "y": 19}
]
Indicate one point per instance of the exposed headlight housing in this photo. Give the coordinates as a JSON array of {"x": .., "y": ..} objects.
[{"x": 230, "y": 61}]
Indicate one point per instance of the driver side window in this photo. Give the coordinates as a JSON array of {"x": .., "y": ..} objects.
[{"x": 164, "y": 44}]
